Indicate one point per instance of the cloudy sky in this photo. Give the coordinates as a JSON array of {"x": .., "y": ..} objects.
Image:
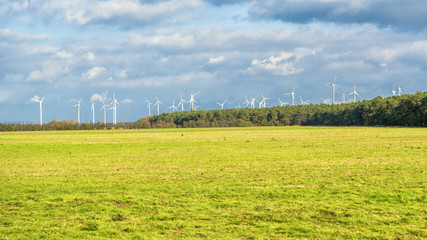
[{"x": 226, "y": 49}]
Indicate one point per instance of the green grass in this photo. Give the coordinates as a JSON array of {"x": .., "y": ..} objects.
[{"x": 243, "y": 183}]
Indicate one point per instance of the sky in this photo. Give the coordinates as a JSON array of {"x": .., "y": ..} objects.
[{"x": 228, "y": 50}]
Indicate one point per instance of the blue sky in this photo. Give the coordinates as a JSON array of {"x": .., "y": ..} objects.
[{"x": 72, "y": 49}]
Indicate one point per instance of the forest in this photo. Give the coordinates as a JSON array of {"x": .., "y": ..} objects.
[
  {"x": 409, "y": 110},
  {"x": 404, "y": 110}
]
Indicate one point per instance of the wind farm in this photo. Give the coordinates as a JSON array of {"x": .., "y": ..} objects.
[{"x": 188, "y": 103}]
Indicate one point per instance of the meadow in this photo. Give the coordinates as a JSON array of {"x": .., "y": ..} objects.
[{"x": 215, "y": 183}]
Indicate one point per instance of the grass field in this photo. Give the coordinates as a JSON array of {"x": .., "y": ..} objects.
[{"x": 243, "y": 183}]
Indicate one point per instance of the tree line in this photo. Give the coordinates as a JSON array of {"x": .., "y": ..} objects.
[
  {"x": 404, "y": 110},
  {"x": 409, "y": 110}
]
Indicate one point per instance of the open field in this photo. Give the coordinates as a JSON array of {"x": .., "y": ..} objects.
[{"x": 247, "y": 183}]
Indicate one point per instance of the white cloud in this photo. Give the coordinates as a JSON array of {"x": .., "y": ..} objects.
[
  {"x": 99, "y": 97},
  {"x": 72, "y": 100},
  {"x": 87, "y": 12},
  {"x": 64, "y": 54},
  {"x": 215, "y": 60},
  {"x": 35, "y": 99},
  {"x": 387, "y": 55},
  {"x": 18, "y": 6},
  {"x": 208, "y": 39},
  {"x": 157, "y": 81},
  {"x": 165, "y": 39},
  {"x": 49, "y": 71},
  {"x": 342, "y": 65},
  {"x": 34, "y": 76},
  {"x": 126, "y": 101},
  {"x": 122, "y": 73},
  {"x": 283, "y": 64},
  {"x": 13, "y": 77},
  {"x": 93, "y": 72},
  {"x": 89, "y": 56},
  {"x": 20, "y": 36}
]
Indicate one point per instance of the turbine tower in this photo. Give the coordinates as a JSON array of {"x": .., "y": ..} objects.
[
  {"x": 157, "y": 103},
  {"x": 263, "y": 102},
  {"x": 181, "y": 102},
  {"x": 78, "y": 110},
  {"x": 92, "y": 110},
  {"x": 105, "y": 107},
  {"x": 36, "y": 99},
  {"x": 114, "y": 108},
  {"x": 148, "y": 106},
  {"x": 246, "y": 102},
  {"x": 252, "y": 102},
  {"x": 393, "y": 92},
  {"x": 260, "y": 103},
  {"x": 343, "y": 98},
  {"x": 293, "y": 94},
  {"x": 354, "y": 93},
  {"x": 222, "y": 104},
  {"x": 333, "y": 85},
  {"x": 399, "y": 90},
  {"x": 192, "y": 101}
]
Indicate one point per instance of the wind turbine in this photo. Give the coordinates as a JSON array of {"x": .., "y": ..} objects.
[
  {"x": 36, "y": 99},
  {"x": 282, "y": 103},
  {"x": 302, "y": 102},
  {"x": 114, "y": 107},
  {"x": 92, "y": 110},
  {"x": 105, "y": 107},
  {"x": 399, "y": 90},
  {"x": 393, "y": 92},
  {"x": 157, "y": 103},
  {"x": 252, "y": 102},
  {"x": 148, "y": 106},
  {"x": 192, "y": 101},
  {"x": 247, "y": 102},
  {"x": 78, "y": 110},
  {"x": 325, "y": 101},
  {"x": 173, "y": 106},
  {"x": 260, "y": 103},
  {"x": 333, "y": 85},
  {"x": 354, "y": 93},
  {"x": 263, "y": 102},
  {"x": 293, "y": 94},
  {"x": 343, "y": 98},
  {"x": 222, "y": 104},
  {"x": 181, "y": 102}
]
